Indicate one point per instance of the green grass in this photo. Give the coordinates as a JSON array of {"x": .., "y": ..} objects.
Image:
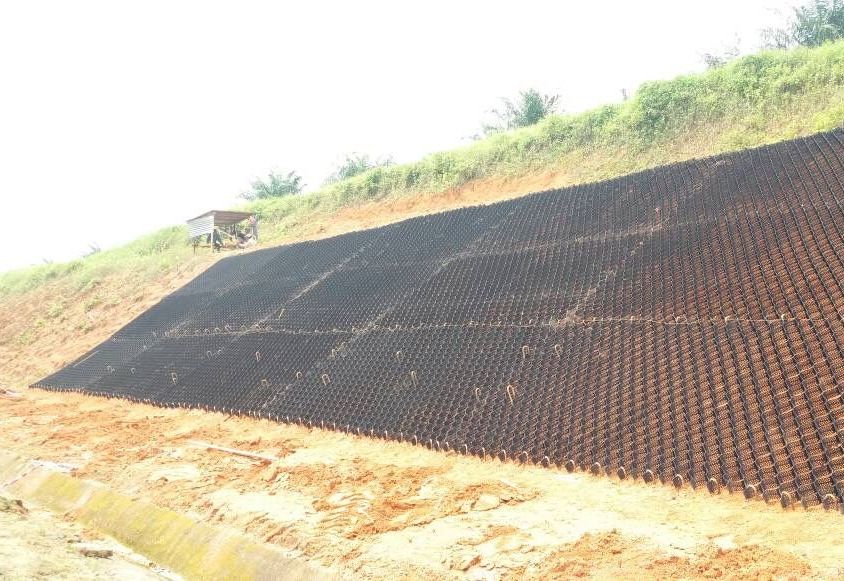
[
  {"x": 755, "y": 100},
  {"x": 752, "y": 101},
  {"x": 145, "y": 257}
]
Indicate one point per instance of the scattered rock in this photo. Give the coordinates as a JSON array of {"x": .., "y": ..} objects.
[
  {"x": 486, "y": 502},
  {"x": 96, "y": 552},
  {"x": 12, "y": 505},
  {"x": 468, "y": 562},
  {"x": 508, "y": 543},
  {"x": 271, "y": 473}
]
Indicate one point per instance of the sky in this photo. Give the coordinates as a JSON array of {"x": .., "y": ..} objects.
[{"x": 118, "y": 118}]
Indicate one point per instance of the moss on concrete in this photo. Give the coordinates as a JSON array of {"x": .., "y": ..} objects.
[{"x": 192, "y": 549}]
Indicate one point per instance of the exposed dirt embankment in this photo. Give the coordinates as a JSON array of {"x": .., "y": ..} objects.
[
  {"x": 384, "y": 509},
  {"x": 50, "y": 326},
  {"x": 372, "y": 508}
]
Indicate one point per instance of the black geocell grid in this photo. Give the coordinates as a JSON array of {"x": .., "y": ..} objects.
[{"x": 682, "y": 324}]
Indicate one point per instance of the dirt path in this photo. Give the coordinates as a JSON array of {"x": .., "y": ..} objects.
[
  {"x": 35, "y": 544},
  {"x": 385, "y": 510}
]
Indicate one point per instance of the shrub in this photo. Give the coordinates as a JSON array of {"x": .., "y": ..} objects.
[{"x": 275, "y": 186}]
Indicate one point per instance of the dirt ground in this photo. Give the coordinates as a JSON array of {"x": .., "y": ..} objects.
[
  {"x": 386, "y": 510},
  {"x": 370, "y": 508},
  {"x": 35, "y": 544}
]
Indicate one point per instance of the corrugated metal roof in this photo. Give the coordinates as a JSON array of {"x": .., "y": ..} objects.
[
  {"x": 224, "y": 217},
  {"x": 200, "y": 225}
]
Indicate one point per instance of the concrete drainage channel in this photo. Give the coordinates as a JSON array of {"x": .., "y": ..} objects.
[{"x": 193, "y": 550}]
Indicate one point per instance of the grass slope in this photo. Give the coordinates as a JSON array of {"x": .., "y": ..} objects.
[{"x": 751, "y": 101}]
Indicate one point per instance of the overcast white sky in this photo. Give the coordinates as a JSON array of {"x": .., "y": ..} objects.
[{"x": 117, "y": 118}]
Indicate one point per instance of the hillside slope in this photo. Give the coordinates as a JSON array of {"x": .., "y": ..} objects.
[
  {"x": 381, "y": 509},
  {"x": 52, "y": 313},
  {"x": 508, "y": 328}
]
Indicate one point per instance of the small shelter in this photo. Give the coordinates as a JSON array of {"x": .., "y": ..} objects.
[{"x": 204, "y": 224}]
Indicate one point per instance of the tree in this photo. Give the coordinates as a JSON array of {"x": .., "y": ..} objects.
[
  {"x": 529, "y": 108},
  {"x": 776, "y": 38},
  {"x": 354, "y": 164},
  {"x": 813, "y": 24},
  {"x": 819, "y": 22},
  {"x": 713, "y": 60},
  {"x": 275, "y": 186}
]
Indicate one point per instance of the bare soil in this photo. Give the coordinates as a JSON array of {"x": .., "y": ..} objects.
[
  {"x": 387, "y": 510},
  {"x": 35, "y": 544},
  {"x": 369, "y": 508}
]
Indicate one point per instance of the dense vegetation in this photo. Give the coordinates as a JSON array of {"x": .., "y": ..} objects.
[
  {"x": 813, "y": 24},
  {"x": 275, "y": 186},
  {"x": 749, "y": 101},
  {"x": 528, "y": 109},
  {"x": 355, "y": 164}
]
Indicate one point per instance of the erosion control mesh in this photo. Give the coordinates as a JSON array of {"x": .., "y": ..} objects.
[{"x": 682, "y": 324}]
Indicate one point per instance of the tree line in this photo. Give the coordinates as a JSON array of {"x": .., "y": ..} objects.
[
  {"x": 811, "y": 25},
  {"x": 528, "y": 108}
]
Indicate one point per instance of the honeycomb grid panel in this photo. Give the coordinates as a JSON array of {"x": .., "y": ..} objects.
[{"x": 682, "y": 325}]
